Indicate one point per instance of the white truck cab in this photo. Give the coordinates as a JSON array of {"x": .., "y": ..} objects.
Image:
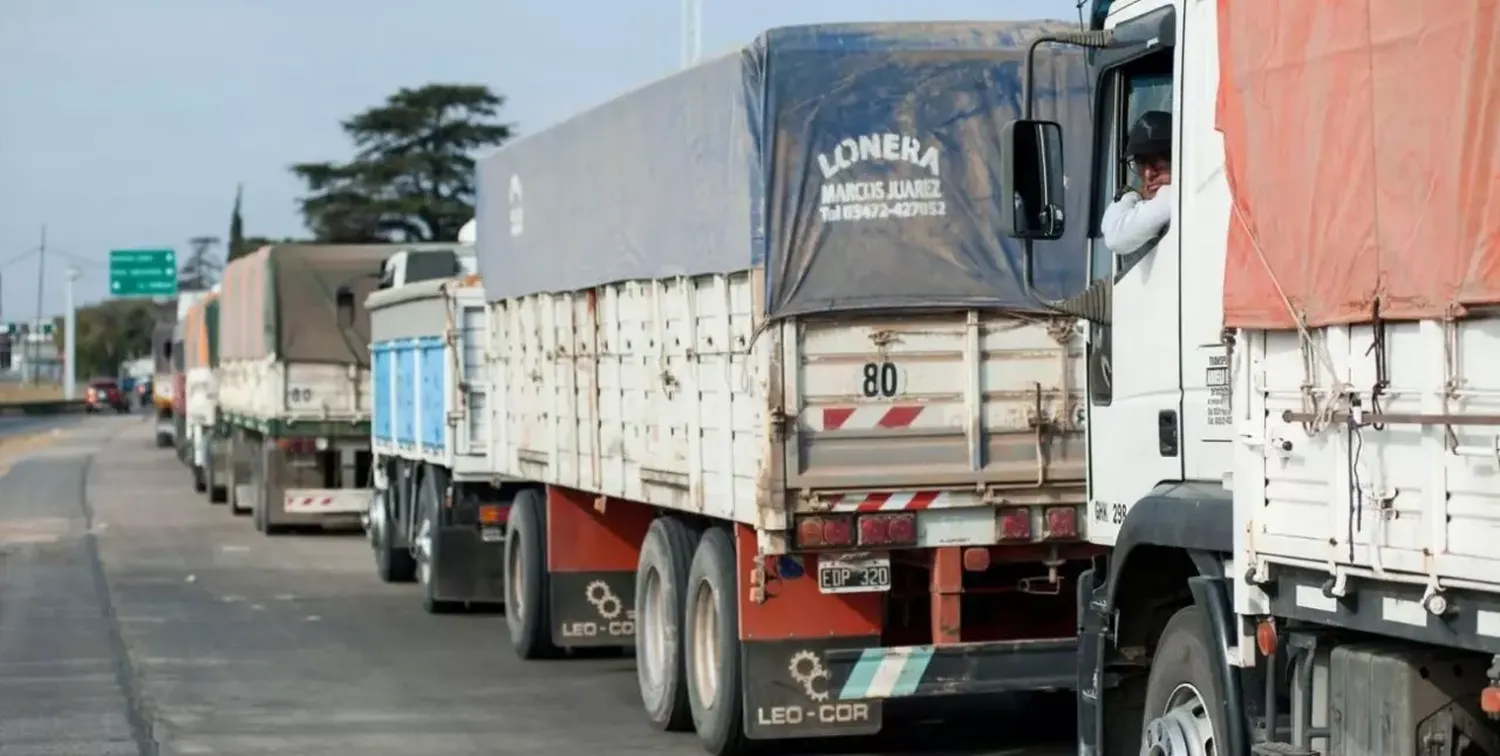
[
  {"x": 1293, "y": 505},
  {"x": 427, "y": 262}
]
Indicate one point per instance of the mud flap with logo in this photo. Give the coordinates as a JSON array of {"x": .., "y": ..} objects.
[
  {"x": 788, "y": 691},
  {"x": 593, "y": 609}
]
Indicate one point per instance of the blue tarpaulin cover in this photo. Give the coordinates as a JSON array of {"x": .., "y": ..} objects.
[{"x": 858, "y": 163}]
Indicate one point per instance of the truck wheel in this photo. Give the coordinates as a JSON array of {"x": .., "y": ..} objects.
[
  {"x": 393, "y": 565},
  {"x": 163, "y": 441},
  {"x": 217, "y": 493},
  {"x": 1180, "y": 698},
  {"x": 200, "y": 482},
  {"x": 526, "y": 582},
  {"x": 261, "y": 474},
  {"x": 660, "y": 591},
  {"x": 232, "y": 491},
  {"x": 426, "y": 545},
  {"x": 712, "y": 646}
]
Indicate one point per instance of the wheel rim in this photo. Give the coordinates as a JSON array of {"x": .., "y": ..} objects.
[
  {"x": 705, "y": 644},
  {"x": 424, "y": 545},
  {"x": 515, "y": 568},
  {"x": 1184, "y": 728},
  {"x": 651, "y": 629},
  {"x": 376, "y": 525}
]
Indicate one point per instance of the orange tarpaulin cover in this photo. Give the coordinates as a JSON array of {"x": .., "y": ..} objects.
[{"x": 1362, "y": 145}]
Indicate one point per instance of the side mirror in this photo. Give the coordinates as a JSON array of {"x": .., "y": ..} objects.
[
  {"x": 1031, "y": 180},
  {"x": 344, "y": 303}
]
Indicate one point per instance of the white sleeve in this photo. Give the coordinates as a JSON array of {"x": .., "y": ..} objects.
[{"x": 1130, "y": 223}]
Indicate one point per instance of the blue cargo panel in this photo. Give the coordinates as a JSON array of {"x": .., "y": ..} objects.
[
  {"x": 858, "y": 163},
  {"x": 383, "y": 362},
  {"x": 434, "y": 419},
  {"x": 406, "y": 395}
]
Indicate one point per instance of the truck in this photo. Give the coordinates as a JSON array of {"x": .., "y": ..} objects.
[
  {"x": 1292, "y": 450},
  {"x": 775, "y": 404},
  {"x": 293, "y": 384},
  {"x": 206, "y": 441},
  {"x": 161, "y": 379},
  {"x": 181, "y": 444},
  {"x": 438, "y": 514}
]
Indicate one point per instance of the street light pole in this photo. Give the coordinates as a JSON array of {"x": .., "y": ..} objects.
[{"x": 70, "y": 338}]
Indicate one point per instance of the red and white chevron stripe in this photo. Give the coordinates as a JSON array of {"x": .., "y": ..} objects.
[
  {"x": 890, "y": 501},
  {"x": 325, "y": 501},
  {"x": 867, "y": 417}
]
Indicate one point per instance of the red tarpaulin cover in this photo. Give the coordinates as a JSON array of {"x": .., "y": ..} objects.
[{"x": 1362, "y": 145}]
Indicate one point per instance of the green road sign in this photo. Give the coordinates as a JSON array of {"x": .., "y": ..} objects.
[{"x": 143, "y": 273}]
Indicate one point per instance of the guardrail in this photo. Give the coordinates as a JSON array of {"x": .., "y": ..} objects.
[{"x": 43, "y": 407}]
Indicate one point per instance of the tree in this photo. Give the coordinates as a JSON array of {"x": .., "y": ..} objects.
[
  {"x": 111, "y": 332},
  {"x": 201, "y": 268},
  {"x": 412, "y": 176},
  {"x": 237, "y": 246}
]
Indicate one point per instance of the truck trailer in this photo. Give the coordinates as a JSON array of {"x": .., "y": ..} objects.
[
  {"x": 293, "y": 384},
  {"x": 206, "y": 439},
  {"x": 438, "y": 514},
  {"x": 1292, "y": 449},
  {"x": 778, "y": 405}
]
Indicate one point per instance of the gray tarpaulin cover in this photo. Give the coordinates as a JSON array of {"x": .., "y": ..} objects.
[
  {"x": 282, "y": 300},
  {"x": 857, "y": 162}
]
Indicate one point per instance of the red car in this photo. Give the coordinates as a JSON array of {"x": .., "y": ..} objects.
[{"x": 104, "y": 393}]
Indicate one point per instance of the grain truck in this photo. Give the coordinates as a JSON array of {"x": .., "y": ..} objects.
[
  {"x": 1292, "y": 447},
  {"x": 294, "y": 384},
  {"x": 438, "y": 515},
  {"x": 777, "y": 401},
  {"x": 206, "y": 441}
]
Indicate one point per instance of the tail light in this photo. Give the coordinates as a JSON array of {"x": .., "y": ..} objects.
[
  {"x": 825, "y": 532},
  {"x": 1062, "y": 522},
  {"x": 888, "y": 529},
  {"x": 493, "y": 514},
  {"x": 1015, "y": 524}
]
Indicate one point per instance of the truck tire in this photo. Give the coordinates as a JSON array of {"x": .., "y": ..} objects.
[
  {"x": 232, "y": 490},
  {"x": 261, "y": 475},
  {"x": 527, "y": 613},
  {"x": 1181, "y": 701},
  {"x": 392, "y": 564},
  {"x": 200, "y": 480},
  {"x": 711, "y": 648},
  {"x": 163, "y": 440},
  {"x": 660, "y": 595},
  {"x": 429, "y": 496},
  {"x": 217, "y": 493}
]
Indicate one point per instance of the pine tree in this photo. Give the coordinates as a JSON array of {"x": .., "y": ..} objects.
[{"x": 237, "y": 246}]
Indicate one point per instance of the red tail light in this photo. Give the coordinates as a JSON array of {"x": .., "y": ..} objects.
[
  {"x": 1062, "y": 522},
  {"x": 1015, "y": 524},
  {"x": 825, "y": 532},
  {"x": 888, "y": 529}
]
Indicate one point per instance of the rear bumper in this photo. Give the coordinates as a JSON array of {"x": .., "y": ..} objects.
[
  {"x": 468, "y": 567},
  {"x": 862, "y": 674}
]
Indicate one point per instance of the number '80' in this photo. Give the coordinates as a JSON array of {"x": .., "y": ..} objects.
[
  {"x": 881, "y": 379},
  {"x": 300, "y": 394}
]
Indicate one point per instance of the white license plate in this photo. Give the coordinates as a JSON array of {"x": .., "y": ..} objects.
[
  {"x": 492, "y": 535},
  {"x": 854, "y": 574}
]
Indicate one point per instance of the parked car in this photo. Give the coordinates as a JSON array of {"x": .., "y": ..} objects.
[{"x": 104, "y": 393}]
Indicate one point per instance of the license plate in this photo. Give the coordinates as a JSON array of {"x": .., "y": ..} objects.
[
  {"x": 492, "y": 535},
  {"x": 854, "y": 574}
]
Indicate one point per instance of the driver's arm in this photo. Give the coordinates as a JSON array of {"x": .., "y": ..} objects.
[{"x": 1131, "y": 223}]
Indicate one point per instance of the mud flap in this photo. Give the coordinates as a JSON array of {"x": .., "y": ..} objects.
[
  {"x": 467, "y": 568},
  {"x": 788, "y": 691},
  {"x": 1093, "y": 625},
  {"x": 593, "y": 609}
]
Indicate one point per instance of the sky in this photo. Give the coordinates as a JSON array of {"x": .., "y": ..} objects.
[{"x": 129, "y": 123}]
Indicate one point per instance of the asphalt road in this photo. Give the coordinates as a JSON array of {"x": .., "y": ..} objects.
[{"x": 135, "y": 618}]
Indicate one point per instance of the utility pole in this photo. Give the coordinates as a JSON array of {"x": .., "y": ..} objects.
[
  {"x": 70, "y": 337},
  {"x": 41, "y": 271},
  {"x": 692, "y": 31}
]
